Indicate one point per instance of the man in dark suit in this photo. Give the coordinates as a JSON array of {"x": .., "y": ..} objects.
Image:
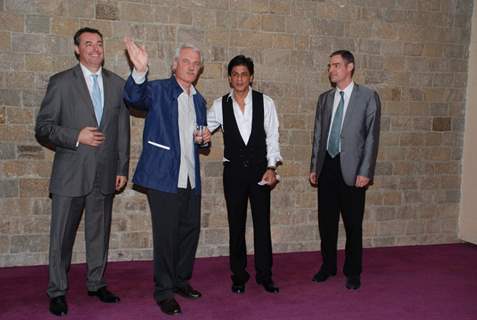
[
  {"x": 169, "y": 166},
  {"x": 343, "y": 159},
  {"x": 249, "y": 123},
  {"x": 83, "y": 117}
]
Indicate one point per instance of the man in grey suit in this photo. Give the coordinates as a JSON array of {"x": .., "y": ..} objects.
[
  {"x": 83, "y": 117},
  {"x": 343, "y": 159}
]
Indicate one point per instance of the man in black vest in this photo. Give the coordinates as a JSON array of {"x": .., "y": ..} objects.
[{"x": 249, "y": 124}]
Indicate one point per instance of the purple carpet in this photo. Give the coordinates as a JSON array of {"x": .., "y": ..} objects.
[{"x": 411, "y": 283}]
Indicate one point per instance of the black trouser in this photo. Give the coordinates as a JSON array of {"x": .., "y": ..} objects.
[
  {"x": 334, "y": 196},
  {"x": 175, "y": 230},
  {"x": 241, "y": 184}
]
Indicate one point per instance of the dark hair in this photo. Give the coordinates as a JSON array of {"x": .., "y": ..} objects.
[
  {"x": 240, "y": 60},
  {"x": 76, "y": 37},
  {"x": 347, "y": 57}
]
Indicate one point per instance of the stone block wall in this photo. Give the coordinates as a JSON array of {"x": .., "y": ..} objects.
[{"x": 414, "y": 52}]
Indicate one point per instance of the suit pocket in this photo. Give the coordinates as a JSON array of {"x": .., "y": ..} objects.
[{"x": 155, "y": 144}]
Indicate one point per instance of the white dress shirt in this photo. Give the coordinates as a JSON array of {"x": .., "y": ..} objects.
[
  {"x": 347, "y": 95},
  {"x": 89, "y": 81},
  {"x": 87, "y": 74},
  {"x": 244, "y": 123},
  {"x": 187, "y": 124}
]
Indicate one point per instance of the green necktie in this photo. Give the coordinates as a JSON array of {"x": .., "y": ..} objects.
[{"x": 334, "y": 140}]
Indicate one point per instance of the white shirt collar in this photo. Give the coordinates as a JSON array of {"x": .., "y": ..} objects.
[
  {"x": 192, "y": 88},
  {"x": 88, "y": 72},
  {"x": 248, "y": 98},
  {"x": 347, "y": 91}
]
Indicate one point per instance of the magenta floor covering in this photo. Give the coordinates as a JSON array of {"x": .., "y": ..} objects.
[{"x": 410, "y": 283}]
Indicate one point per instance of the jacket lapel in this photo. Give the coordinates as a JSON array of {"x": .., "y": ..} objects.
[
  {"x": 350, "y": 110},
  {"x": 107, "y": 96}
]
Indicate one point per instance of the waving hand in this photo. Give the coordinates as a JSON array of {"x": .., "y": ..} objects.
[{"x": 137, "y": 54}]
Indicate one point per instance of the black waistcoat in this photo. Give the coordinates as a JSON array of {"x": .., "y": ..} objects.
[{"x": 235, "y": 150}]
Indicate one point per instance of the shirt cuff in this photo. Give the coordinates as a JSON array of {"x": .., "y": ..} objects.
[
  {"x": 139, "y": 77},
  {"x": 274, "y": 161}
]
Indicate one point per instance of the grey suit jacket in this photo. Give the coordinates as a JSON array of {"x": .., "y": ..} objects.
[
  {"x": 359, "y": 134},
  {"x": 65, "y": 110}
]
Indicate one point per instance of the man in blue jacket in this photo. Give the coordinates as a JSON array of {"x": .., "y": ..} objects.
[{"x": 169, "y": 166}]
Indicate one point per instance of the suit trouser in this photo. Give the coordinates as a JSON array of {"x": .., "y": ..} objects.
[
  {"x": 66, "y": 216},
  {"x": 241, "y": 184},
  {"x": 175, "y": 229},
  {"x": 334, "y": 196}
]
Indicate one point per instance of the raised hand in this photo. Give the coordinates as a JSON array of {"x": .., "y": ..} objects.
[{"x": 137, "y": 54}]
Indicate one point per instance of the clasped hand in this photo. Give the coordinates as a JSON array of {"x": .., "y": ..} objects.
[{"x": 91, "y": 136}]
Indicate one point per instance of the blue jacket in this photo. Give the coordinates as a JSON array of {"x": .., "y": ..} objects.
[{"x": 158, "y": 166}]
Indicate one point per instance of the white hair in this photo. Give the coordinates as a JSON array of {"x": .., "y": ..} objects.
[{"x": 185, "y": 46}]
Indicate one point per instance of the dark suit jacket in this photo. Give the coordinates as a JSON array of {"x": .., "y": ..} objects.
[
  {"x": 359, "y": 134},
  {"x": 158, "y": 166},
  {"x": 65, "y": 110}
]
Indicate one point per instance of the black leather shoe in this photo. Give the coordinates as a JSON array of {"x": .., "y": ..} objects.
[
  {"x": 322, "y": 276},
  {"x": 188, "y": 292},
  {"x": 269, "y": 286},
  {"x": 58, "y": 306},
  {"x": 169, "y": 306},
  {"x": 238, "y": 288},
  {"x": 353, "y": 282},
  {"x": 104, "y": 295}
]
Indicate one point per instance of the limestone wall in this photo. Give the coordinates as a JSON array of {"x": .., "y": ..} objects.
[{"x": 414, "y": 52}]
